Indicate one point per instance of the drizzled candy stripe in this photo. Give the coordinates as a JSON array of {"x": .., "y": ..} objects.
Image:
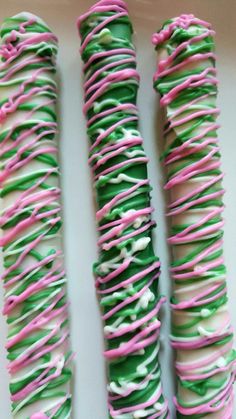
[
  {"x": 201, "y": 329},
  {"x": 127, "y": 270},
  {"x": 34, "y": 278}
]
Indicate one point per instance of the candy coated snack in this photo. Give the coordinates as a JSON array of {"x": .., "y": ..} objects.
[
  {"x": 202, "y": 334},
  {"x": 127, "y": 269},
  {"x": 34, "y": 278}
]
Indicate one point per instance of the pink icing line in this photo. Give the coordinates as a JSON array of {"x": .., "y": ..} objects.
[
  {"x": 101, "y": 115},
  {"x": 135, "y": 325},
  {"x": 199, "y": 300},
  {"x": 101, "y": 25},
  {"x": 196, "y": 191},
  {"x": 193, "y": 116},
  {"x": 107, "y": 157},
  {"x": 20, "y": 202},
  {"x": 194, "y": 169},
  {"x": 209, "y": 407},
  {"x": 39, "y": 321},
  {"x": 202, "y": 221},
  {"x": 198, "y": 258},
  {"x": 192, "y": 81},
  {"x": 195, "y": 202},
  {"x": 184, "y": 367},
  {"x": 196, "y": 235},
  {"x": 120, "y": 165},
  {"x": 123, "y": 145},
  {"x": 21, "y": 226},
  {"x": 185, "y": 145},
  {"x": 106, "y": 67},
  {"x": 123, "y": 222},
  {"x": 110, "y": 130},
  {"x": 39, "y": 381},
  {"x": 28, "y": 358},
  {"x": 186, "y": 107},
  {"x": 101, "y": 7},
  {"x": 130, "y": 280},
  {"x": 107, "y": 207},
  {"x": 163, "y": 65},
  {"x": 12, "y": 301},
  {"x": 127, "y": 301},
  {"x": 116, "y": 77},
  {"x": 122, "y": 268},
  {"x": 134, "y": 346},
  {"x": 139, "y": 341},
  {"x": 119, "y": 227},
  {"x": 108, "y": 246},
  {"x": 205, "y": 375},
  {"x": 192, "y": 150},
  {"x": 192, "y": 59},
  {"x": 200, "y": 342},
  {"x": 37, "y": 265},
  {"x": 200, "y": 271},
  {"x": 138, "y": 406},
  {"x": 38, "y": 415},
  {"x": 184, "y": 21},
  {"x": 117, "y": 51},
  {"x": 134, "y": 387}
]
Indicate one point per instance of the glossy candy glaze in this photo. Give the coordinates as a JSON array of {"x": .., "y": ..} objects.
[
  {"x": 33, "y": 278},
  {"x": 201, "y": 330},
  {"x": 127, "y": 270}
]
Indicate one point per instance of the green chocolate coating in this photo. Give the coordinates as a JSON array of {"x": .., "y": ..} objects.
[{"x": 133, "y": 375}]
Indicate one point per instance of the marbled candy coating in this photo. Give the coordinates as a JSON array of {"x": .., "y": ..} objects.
[
  {"x": 127, "y": 270},
  {"x": 201, "y": 329},
  {"x": 34, "y": 278}
]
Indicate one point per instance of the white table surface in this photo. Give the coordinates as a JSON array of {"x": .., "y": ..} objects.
[{"x": 80, "y": 233}]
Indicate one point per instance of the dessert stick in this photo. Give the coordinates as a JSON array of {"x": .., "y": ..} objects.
[
  {"x": 127, "y": 270},
  {"x": 34, "y": 278},
  {"x": 201, "y": 329}
]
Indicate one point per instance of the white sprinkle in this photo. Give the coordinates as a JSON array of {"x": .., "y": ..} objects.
[
  {"x": 221, "y": 362},
  {"x": 205, "y": 312}
]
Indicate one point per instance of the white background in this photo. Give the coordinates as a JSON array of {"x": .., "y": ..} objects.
[{"x": 80, "y": 233}]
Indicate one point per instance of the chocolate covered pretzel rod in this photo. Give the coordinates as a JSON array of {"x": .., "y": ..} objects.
[
  {"x": 34, "y": 278},
  {"x": 201, "y": 330},
  {"x": 127, "y": 270}
]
